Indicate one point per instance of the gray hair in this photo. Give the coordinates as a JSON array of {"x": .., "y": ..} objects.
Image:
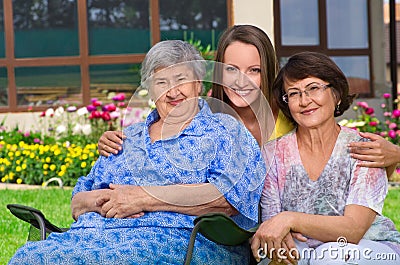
[{"x": 168, "y": 53}]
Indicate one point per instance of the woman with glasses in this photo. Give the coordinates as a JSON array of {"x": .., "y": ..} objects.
[{"x": 314, "y": 187}]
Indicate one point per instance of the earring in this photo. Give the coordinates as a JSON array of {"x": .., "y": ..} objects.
[{"x": 337, "y": 110}]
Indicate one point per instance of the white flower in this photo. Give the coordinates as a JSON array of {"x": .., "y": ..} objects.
[
  {"x": 59, "y": 111},
  {"x": 60, "y": 129},
  {"x": 86, "y": 129},
  {"x": 143, "y": 92},
  {"x": 82, "y": 111},
  {"x": 49, "y": 112},
  {"x": 152, "y": 104},
  {"x": 77, "y": 129},
  {"x": 343, "y": 122}
]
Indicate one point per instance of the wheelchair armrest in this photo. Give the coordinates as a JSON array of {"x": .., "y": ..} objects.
[{"x": 34, "y": 217}]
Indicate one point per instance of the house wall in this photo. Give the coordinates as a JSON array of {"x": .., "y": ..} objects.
[
  {"x": 260, "y": 13},
  {"x": 256, "y": 12}
]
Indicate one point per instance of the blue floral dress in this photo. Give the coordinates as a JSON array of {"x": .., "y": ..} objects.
[{"x": 214, "y": 148}]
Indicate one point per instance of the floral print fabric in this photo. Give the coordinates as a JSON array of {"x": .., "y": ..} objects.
[
  {"x": 214, "y": 148},
  {"x": 342, "y": 182}
]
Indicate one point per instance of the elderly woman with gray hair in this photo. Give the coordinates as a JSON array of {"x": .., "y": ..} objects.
[{"x": 128, "y": 209}]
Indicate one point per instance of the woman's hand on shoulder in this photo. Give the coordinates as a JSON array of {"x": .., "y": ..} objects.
[
  {"x": 378, "y": 152},
  {"x": 110, "y": 143}
]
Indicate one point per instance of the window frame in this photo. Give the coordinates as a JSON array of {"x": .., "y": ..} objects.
[
  {"x": 287, "y": 51},
  {"x": 84, "y": 60}
]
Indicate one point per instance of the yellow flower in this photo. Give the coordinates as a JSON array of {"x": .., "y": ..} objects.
[
  {"x": 57, "y": 152},
  {"x": 24, "y": 166},
  {"x": 19, "y": 181},
  {"x": 63, "y": 167},
  {"x": 18, "y": 162},
  {"x": 48, "y": 160},
  {"x": 32, "y": 155},
  {"x": 45, "y": 166},
  {"x": 52, "y": 167},
  {"x": 10, "y": 154},
  {"x": 18, "y": 169},
  {"x": 3, "y": 179},
  {"x": 84, "y": 156},
  {"x": 83, "y": 164},
  {"x": 2, "y": 168},
  {"x": 61, "y": 173},
  {"x": 45, "y": 172},
  {"x": 18, "y": 153}
]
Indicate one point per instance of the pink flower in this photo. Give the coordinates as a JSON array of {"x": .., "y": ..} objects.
[
  {"x": 396, "y": 113},
  {"x": 91, "y": 108},
  {"x": 383, "y": 134},
  {"x": 26, "y": 134},
  {"x": 373, "y": 123},
  {"x": 387, "y": 114},
  {"x": 398, "y": 170},
  {"x": 386, "y": 95},
  {"x": 392, "y": 125},
  {"x": 36, "y": 140},
  {"x": 362, "y": 104},
  {"x": 109, "y": 107},
  {"x": 369, "y": 111},
  {"x": 119, "y": 97},
  {"x": 71, "y": 108},
  {"x": 392, "y": 134}
]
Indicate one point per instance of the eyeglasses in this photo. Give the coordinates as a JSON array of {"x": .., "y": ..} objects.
[{"x": 312, "y": 90}]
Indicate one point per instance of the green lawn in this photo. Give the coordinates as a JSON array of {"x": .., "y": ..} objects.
[{"x": 55, "y": 204}]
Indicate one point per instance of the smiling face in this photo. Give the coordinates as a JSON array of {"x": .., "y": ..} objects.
[
  {"x": 242, "y": 73},
  {"x": 311, "y": 111},
  {"x": 175, "y": 92}
]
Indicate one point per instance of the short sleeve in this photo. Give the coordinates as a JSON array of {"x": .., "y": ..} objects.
[{"x": 368, "y": 187}]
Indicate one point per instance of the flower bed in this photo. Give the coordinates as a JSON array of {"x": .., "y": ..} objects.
[
  {"x": 66, "y": 145},
  {"x": 389, "y": 128}
]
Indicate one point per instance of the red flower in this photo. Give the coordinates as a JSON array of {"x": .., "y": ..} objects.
[
  {"x": 373, "y": 123},
  {"x": 95, "y": 114},
  {"x": 369, "y": 111},
  {"x": 106, "y": 116}
]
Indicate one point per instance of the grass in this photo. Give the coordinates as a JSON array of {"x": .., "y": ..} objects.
[{"x": 55, "y": 204}]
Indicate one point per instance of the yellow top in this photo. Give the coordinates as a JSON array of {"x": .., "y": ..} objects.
[{"x": 282, "y": 126}]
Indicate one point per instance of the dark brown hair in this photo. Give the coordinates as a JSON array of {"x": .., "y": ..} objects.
[{"x": 312, "y": 64}]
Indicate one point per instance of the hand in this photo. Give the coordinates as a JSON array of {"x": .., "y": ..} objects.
[
  {"x": 110, "y": 142},
  {"x": 124, "y": 201},
  {"x": 273, "y": 236},
  {"x": 86, "y": 201},
  {"x": 377, "y": 153}
]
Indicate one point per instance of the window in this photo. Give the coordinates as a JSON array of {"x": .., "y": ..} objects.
[
  {"x": 338, "y": 28},
  {"x": 68, "y": 51}
]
